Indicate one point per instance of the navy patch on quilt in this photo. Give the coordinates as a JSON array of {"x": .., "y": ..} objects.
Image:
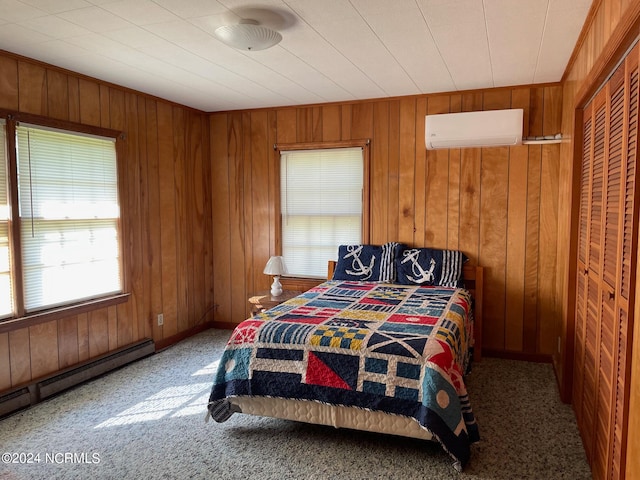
[{"x": 330, "y": 369}]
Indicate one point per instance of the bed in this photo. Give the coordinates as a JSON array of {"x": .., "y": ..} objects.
[{"x": 365, "y": 355}]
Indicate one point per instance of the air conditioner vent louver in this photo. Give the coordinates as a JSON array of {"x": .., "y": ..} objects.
[{"x": 490, "y": 128}]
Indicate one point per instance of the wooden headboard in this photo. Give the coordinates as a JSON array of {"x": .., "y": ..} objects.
[{"x": 472, "y": 276}]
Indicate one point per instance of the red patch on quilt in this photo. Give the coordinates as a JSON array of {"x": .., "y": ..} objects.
[
  {"x": 318, "y": 373},
  {"x": 245, "y": 332},
  {"x": 415, "y": 319},
  {"x": 445, "y": 360},
  {"x": 302, "y": 315}
]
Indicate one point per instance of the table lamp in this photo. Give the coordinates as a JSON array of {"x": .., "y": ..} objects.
[{"x": 276, "y": 267}]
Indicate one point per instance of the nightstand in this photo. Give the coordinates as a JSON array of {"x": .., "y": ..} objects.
[{"x": 263, "y": 300}]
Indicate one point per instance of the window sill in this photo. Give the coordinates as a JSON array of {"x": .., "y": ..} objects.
[{"x": 37, "y": 318}]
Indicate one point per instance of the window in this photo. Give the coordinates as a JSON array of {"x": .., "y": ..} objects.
[
  {"x": 65, "y": 239},
  {"x": 6, "y": 300},
  {"x": 322, "y": 206}
]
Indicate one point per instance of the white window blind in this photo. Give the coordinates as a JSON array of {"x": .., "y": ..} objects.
[
  {"x": 6, "y": 298},
  {"x": 69, "y": 212},
  {"x": 321, "y": 206}
]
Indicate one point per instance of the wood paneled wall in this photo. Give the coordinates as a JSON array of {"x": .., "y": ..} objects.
[
  {"x": 498, "y": 205},
  {"x": 610, "y": 27},
  {"x": 166, "y": 203}
]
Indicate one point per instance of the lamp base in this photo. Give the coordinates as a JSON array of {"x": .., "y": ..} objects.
[{"x": 276, "y": 287}]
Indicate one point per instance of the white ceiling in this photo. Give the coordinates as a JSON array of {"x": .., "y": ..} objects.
[{"x": 332, "y": 50}]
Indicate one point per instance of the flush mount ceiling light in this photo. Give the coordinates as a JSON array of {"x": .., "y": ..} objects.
[{"x": 247, "y": 35}]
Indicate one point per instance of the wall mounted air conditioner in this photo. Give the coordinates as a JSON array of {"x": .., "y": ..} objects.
[{"x": 488, "y": 128}]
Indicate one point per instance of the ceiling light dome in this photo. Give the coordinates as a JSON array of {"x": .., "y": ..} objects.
[{"x": 247, "y": 35}]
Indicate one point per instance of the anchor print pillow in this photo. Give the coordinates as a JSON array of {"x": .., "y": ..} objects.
[
  {"x": 367, "y": 263},
  {"x": 429, "y": 266}
]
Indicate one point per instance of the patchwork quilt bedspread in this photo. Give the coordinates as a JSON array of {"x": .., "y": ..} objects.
[{"x": 400, "y": 349}]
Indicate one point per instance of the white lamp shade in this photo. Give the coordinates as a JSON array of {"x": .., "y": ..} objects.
[
  {"x": 247, "y": 35},
  {"x": 275, "y": 266}
]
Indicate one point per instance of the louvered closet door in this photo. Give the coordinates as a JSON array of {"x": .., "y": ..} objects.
[
  {"x": 583, "y": 249},
  {"x": 607, "y": 245},
  {"x": 624, "y": 287},
  {"x": 589, "y": 293},
  {"x": 607, "y": 345}
]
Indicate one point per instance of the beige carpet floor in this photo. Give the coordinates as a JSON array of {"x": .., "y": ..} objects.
[{"x": 146, "y": 421}]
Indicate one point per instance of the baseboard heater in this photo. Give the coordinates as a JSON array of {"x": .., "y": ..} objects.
[
  {"x": 14, "y": 401},
  {"x": 60, "y": 381}
]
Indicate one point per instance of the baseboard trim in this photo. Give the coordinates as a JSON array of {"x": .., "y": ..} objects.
[
  {"x": 173, "y": 339},
  {"x": 510, "y": 355}
]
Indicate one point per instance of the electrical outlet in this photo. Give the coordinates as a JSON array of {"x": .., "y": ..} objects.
[{"x": 160, "y": 319}]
